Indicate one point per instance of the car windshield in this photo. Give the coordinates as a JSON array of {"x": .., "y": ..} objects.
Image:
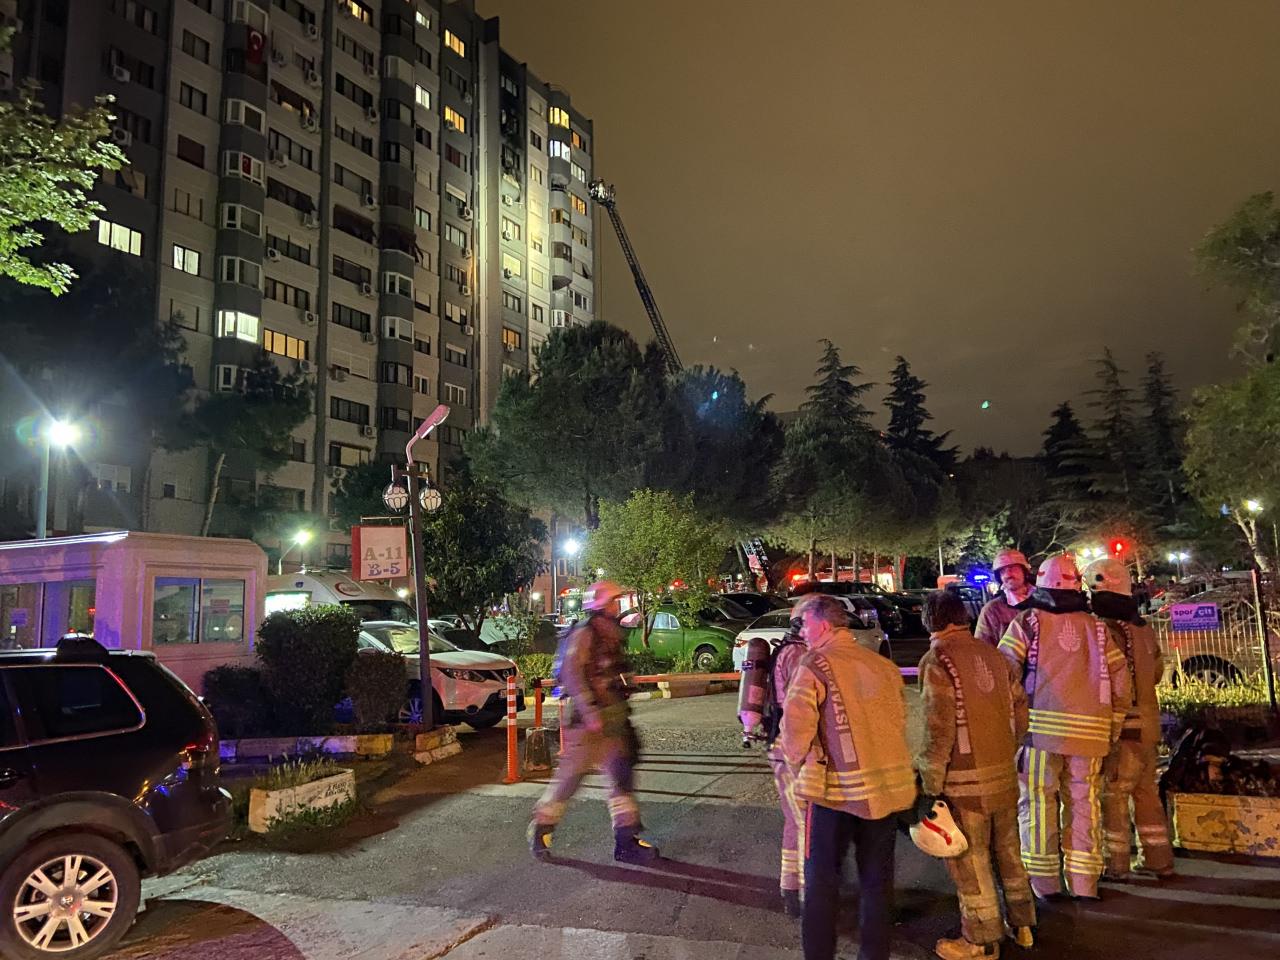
[
  {"x": 734, "y": 609},
  {"x": 404, "y": 639},
  {"x": 772, "y": 620},
  {"x": 383, "y": 610}
]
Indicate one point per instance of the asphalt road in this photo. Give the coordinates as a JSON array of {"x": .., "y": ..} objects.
[{"x": 440, "y": 869}]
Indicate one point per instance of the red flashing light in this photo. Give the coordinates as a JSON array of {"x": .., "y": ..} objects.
[{"x": 1117, "y": 547}]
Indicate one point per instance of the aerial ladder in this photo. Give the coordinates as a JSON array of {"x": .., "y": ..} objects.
[{"x": 603, "y": 194}]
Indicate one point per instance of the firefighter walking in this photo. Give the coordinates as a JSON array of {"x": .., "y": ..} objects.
[
  {"x": 1077, "y": 689},
  {"x": 600, "y": 734},
  {"x": 1131, "y": 798},
  {"x": 967, "y": 756}
]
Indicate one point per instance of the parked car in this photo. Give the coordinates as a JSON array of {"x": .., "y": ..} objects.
[
  {"x": 728, "y": 614},
  {"x": 468, "y": 685},
  {"x": 909, "y": 607},
  {"x": 773, "y": 625},
  {"x": 108, "y": 773},
  {"x": 887, "y": 611},
  {"x": 972, "y": 598},
  {"x": 1221, "y": 655},
  {"x": 757, "y": 604},
  {"x": 669, "y": 639}
]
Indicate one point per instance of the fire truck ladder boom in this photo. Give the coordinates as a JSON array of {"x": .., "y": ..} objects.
[{"x": 603, "y": 194}]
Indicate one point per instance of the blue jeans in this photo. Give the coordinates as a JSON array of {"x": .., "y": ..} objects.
[{"x": 828, "y": 834}]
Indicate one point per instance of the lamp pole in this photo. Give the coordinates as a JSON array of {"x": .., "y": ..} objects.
[{"x": 300, "y": 539}]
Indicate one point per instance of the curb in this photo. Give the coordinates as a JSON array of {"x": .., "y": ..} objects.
[{"x": 354, "y": 745}]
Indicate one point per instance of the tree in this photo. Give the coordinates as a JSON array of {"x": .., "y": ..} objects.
[
  {"x": 1233, "y": 451},
  {"x": 478, "y": 548},
  {"x": 1068, "y": 458},
  {"x": 588, "y": 426},
  {"x": 47, "y": 168},
  {"x": 1243, "y": 252},
  {"x": 651, "y": 541},
  {"x": 359, "y": 493},
  {"x": 256, "y": 422},
  {"x": 1162, "y": 477},
  {"x": 908, "y": 418}
]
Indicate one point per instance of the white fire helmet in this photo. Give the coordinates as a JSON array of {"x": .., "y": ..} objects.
[
  {"x": 600, "y": 594},
  {"x": 937, "y": 834},
  {"x": 1059, "y": 573},
  {"x": 1109, "y": 576},
  {"x": 1008, "y": 558}
]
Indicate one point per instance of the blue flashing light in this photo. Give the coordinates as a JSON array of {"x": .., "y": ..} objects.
[
  {"x": 715, "y": 394},
  {"x": 979, "y": 576}
]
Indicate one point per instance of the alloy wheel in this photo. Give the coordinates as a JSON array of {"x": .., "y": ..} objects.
[{"x": 65, "y": 903}]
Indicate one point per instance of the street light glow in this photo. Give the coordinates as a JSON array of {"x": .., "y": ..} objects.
[
  {"x": 1173, "y": 557},
  {"x": 1253, "y": 506},
  {"x": 302, "y": 537},
  {"x": 571, "y": 547},
  {"x": 1184, "y": 556},
  {"x": 62, "y": 434}
]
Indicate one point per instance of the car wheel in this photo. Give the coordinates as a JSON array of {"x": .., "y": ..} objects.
[
  {"x": 70, "y": 895},
  {"x": 483, "y": 721},
  {"x": 411, "y": 712},
  {"x": 1210, "y": 671},
  {"x": 704, "y": 659}
]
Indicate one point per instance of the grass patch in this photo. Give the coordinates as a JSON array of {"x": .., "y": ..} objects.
[
  {"x": 296, "y": 773},
  {"x": 304, "y": 821}
]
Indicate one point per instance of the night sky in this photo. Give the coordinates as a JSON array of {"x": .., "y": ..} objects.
[{"x": 994, "y": 189}]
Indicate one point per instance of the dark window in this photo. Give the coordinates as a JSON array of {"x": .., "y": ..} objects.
[
  {"x": 296, "y": 9},
  {"x": 190, "y": 151},
  {"x": 349, "y": 270},
  {"x": 298, "y": 451},
  {"x": 205, "y": 5},
  {"x": 289, "y": 148},
  {"x": 193, "y": 99},
  {"x": 139, "y": 15},
  {"x": 71, "y": 701},
  {"x": 348, "y": 410},
  {"x": 423, "y": 136},
  {"x": 287, "y": 194},
  {"x": 353, "y": 91},
  {"x": 350, "y": 222},
  {"x": 397, "y": 153},
  {"x": 454, "y": 156},
  {"x": 289, "y": 98},
  {"x": 350, "y": 317},
  {"x": 342, "y": 455},
  {"x": 393, "y": 418},
  {"x": 356, "y": 139},
  {"x": 287, "y": 248},
  {"x": 424, "y": 57},
  {"x": 138, "y": 126},
  {"x": 286, "y": 293},
  {"x": 394, "y": 109},
  {"x": 194, "y": 46},
  {"x": 389, "y": 372},
  {"x": 396, "y": 26}
]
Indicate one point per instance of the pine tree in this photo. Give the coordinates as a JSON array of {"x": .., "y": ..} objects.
[
  {"x": 907, "y": 418},
  {"x": 835, "y": 400},
  {"x": 1162, "y": 444},
  {"x": 1115, "y": 468},
  {"x": 1068, "y": 460}
]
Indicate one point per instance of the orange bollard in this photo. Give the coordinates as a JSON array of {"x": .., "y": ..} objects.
[
  {"x": 513, "y": 734},
  {"x": 537, "y": 703}
]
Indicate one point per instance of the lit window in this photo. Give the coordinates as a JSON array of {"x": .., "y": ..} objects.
[
  {"x": 511, "y": 338},
  {"x": 578, "y": 172},
  {"x": 186, "y": 260},
  {"x": 237, "y": 164},
  {"x": 511, "y": 266},
  {"x": 235, "y": 323},
  {"x": 558, "y": 149},
  {"x": 558, "y": 117},
  {"x": 353, "y": 8},
  {"x": 284, "y": 345},
  {"x": 453, "y": 118},
  {"x": 119, "y": 237},
  {"x": 579, "y": 205},
  {"x": 422, "y": 96},
  {"x": 453, "y": 43},
  {"x": 578, "y": 142},
  {"x": 242, "y": 11},
  {"x": 421, "y": 19},
  {"x": 535, "y": 173},
  {"x": 238, "y": 270}
]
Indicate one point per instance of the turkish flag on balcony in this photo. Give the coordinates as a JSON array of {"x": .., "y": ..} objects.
[{"x": 254, "y": 46}]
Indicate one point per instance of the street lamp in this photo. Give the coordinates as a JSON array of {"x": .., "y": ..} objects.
[
  {"x": 60, "y": 434},
  {"x": 569, "y": 548},
  {"x": 300, "y": 539},
  {"x": 1253, "y": 506}
]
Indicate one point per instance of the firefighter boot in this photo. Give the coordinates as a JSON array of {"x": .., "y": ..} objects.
[
  {"x": 1022, "y": 936},
  {"x": 628, "y": 847},
  {"x": 540, "y": 841},
  {"x": 791, "y": 903},
  {"x": 962, "y": 949}
]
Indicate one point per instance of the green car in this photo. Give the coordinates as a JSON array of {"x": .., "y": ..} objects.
[{"x": 670, "y": 640}]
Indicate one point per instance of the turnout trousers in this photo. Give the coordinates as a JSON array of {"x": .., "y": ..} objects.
[
  {"x": 994, "y": 848},
  {"x": 1059, "y": 815},
  {"x": 584, "y": 753},
  {"x": 791, "y": 876},
  {"x": 1132, "y": 800}
]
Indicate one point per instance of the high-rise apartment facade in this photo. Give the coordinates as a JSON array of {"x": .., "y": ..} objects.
[{"x": 370, "y": 191}]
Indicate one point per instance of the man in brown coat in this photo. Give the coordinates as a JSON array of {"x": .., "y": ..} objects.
[{"x": 974, "y": 717}]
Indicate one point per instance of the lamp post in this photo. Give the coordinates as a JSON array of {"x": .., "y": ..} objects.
[
  {"x": 1179, "y": 557},
  {"x": 60, "y": 434},
  {"x": 569, "y": 548},
  {"x": 300, "y": 539}
]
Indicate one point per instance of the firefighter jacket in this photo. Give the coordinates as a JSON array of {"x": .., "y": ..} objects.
[
  {"x": 974, "y": 719},
  {"x": 592, "y": 674},
  {"x": 1135, "y": 638},
  {"x": 995, "y": 617},
  {"x": 845, "y": 708},
  {"x": 785, "y": 661},
  {"x": 1074, "y": 675}
]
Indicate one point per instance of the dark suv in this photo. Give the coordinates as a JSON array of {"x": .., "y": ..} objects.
[{"x": 108, "y": 773}]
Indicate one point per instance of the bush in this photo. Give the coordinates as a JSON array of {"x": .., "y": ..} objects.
[
  {"x": 238, "y": 699},
  {"x": 376, "y": 684},
  {"x": 1191, "y": 701},
  {"x": 305, "y": 655},
  {"x": 646, "y": 662},
  {"x": 535, "y": 666}
]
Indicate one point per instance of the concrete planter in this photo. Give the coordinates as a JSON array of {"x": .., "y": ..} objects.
[
  {"x": 261, "y": 748},
  {"x": 691, "y": 687},
  {"x": 436, "y": 745},
  {"x": 1227, "y": 824},
  {"x": 267, "y": 806}
]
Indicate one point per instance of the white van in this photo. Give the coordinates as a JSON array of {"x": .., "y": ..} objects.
[
  {"x": 196, "y": 602},
  {"x": 370, "y": 599}
]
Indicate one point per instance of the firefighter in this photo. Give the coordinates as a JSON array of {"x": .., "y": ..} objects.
[
  {"x": 791, "y": 878},
  {"x": 599, "y": 732},
  {"x": 1129, "y": 773},
  {"x": 1077, "y": 691},
  {"x": 967, "y": 756},
  {"x": 1014, "y": 573}
]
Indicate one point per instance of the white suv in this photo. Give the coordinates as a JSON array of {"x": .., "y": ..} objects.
[
  {"x": 469, "y": 685},
  {"x": 773, "y": 626}
]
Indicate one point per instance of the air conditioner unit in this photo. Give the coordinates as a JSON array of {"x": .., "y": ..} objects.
[
  {"x": 449, "y": 125},
  {"x": 367, "y": 431},
  {"x": 370, "y": 201},
  {"x": 371, "y": 114},
  {"x": 309, "y": 318},
  {"x": 121, "y": 73},
  {"x": 338, "y": 373},
  {"x": 337, "y": 472},
  {"x": 506, "y": 235},
  {"x": 304, "y": 366},
  {"x": 278, "y": 57},
  {"x": 309, "y": 122},
  {"x": 464, "y": 211},
  {"x": 121, "y": 136},
  {"x": 313, "y": 78},
  {"x": 467, "y": 98},
  {"x": 466, "y": 253},
  {"x": 279, "y": 159},
  {"x": 506, "y": 200},
  {"x": 509, "y": 347},
  {"x": 272, "y": 254},
  {"x": 469, "y": 330},
  {"x": 345, "y": 8},
  {"x": 464, "y": 289},
  {"x": 313, "y": 31},
  {"x": 506, "y": 273},
  {"x": 369, "y": 337},
  {"x": 311, "y": 220},
  {"x": 366, "y": 289}
]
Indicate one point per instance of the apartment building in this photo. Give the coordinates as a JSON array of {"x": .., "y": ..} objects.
[{"x": 370, "y": 191}]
